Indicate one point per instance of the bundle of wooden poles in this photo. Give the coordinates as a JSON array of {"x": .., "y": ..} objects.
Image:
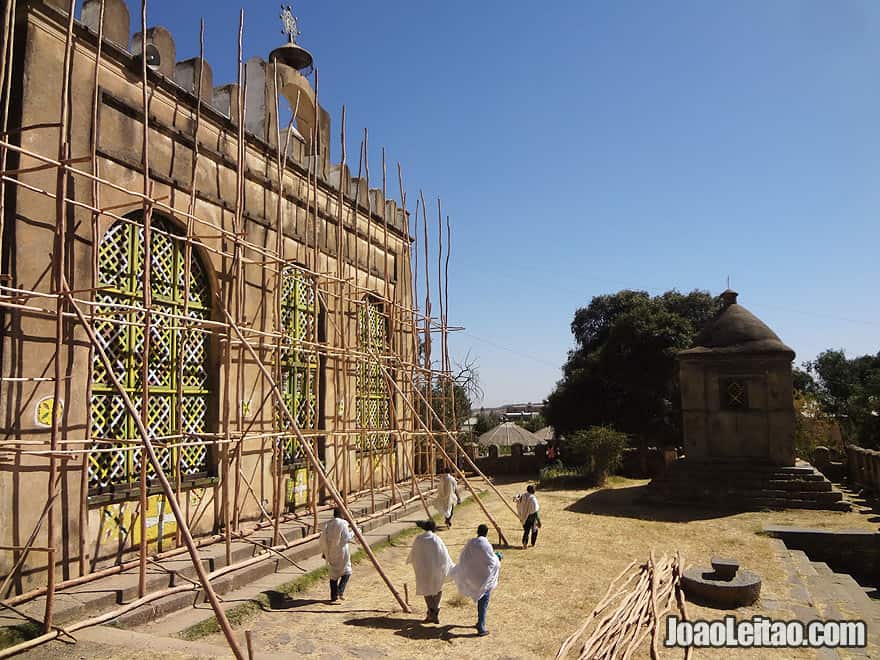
[{"x": 633, "y": 608}]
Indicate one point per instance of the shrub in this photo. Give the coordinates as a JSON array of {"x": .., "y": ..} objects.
[{"x": 598, "y": 450}]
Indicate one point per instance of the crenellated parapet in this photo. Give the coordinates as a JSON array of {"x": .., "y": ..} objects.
[
  {"x": 159, "y": 38},
  {"x": 268, "y": 83},
  {"x": 116, "y": 19},
  {"x": 196, "y": 77}
]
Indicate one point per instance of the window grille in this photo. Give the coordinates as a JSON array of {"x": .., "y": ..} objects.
[
  {"x": 373, "y": 405},
  {"x": 299, "y": 358},
  {"x": 179, "y": 385},
  {"x": 734, "y": 394}
]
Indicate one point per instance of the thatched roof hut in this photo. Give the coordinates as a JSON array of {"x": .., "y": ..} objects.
[{"x": 507, "y": 434}]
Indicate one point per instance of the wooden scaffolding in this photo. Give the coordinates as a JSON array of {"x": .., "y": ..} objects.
[{"x": 332, "y": 338}]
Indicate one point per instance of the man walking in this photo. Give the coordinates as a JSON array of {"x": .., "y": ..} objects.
[
  {"x": 476, "y": 574},
  {"x": 334, "y": 549},
  {"x": 527, "y": 508},
  {"x": 447, "y": 497},
  {"x": 431, "y": 563}
]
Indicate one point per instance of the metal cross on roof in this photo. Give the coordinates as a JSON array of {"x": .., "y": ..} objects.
[{"x": 289, "y": 25}]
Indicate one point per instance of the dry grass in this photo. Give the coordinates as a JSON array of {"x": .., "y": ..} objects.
[{"x": 544, "y": 593}]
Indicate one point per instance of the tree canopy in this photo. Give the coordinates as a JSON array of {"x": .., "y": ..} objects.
[
  {"x": 848, "y": 390},
  {"x": 622, "y": 371},
  {"x": 486, "y": 422}
]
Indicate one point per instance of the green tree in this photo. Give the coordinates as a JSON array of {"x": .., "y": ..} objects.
[
  {"x": 451, "y": 402},
  {"x": 596, "y": 451},
  {"x": 534, "y": 423},
  {"x": 813, "y": 427},
  {"x": 804, "y": 381},
  {"x": 486, "y": 422},
  {"x": 622, "y": 372},
  {"x": 849, "y": 391}
]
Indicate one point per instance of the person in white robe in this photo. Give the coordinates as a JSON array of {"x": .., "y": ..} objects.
[
  {"x": 527, "y": 508},
  {"x": 476, "y": 574},
  {"x": 432, "y": 564},
  {"x": 447, "y": 497},
  {"x": 334, "y": 549}
]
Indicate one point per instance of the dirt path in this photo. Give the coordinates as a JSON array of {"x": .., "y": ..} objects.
[{"x": 544, "y": 593}]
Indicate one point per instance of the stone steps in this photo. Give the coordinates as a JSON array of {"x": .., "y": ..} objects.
[
  {"x": 737, "y": 485},
  {"x": 817, "y": 592}
]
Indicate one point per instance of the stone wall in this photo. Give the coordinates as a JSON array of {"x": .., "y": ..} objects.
[
  {"x": 863, "y": 467},
  {"x": 308, "y": 191},
  {"x": 854, "y": 552},
  {"x": 517, "y": 463}
]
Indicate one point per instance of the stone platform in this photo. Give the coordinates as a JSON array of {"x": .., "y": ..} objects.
[
  {"x": 745, "y": 486},
  {"x": 820, "y": 593},
  {"x": 108, "y": 593}
]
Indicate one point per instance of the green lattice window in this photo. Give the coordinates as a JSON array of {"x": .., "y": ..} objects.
[
  {"x": 373, "y": 405},
  {"x": 734, "y": 394},
  {"x": 177, "y": 375},
  {"x": 299, "y": 358}
]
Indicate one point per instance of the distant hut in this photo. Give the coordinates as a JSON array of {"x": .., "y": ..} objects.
[
  {"x": 546, "y": 434},
  {"x": 508, "y": 434}
]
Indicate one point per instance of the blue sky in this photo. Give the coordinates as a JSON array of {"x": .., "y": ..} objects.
[{"x": 584, "y": 147}]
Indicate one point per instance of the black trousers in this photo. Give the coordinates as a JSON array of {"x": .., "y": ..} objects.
[
  {"x": 451, "y": 513},
  {"x": 337, "y": 587},
  {"x": 531, "y": 525},
  {"x": 433, "y": 602}
]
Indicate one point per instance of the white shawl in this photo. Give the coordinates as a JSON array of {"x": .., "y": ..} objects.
[
  {"x": 334, "y": 546},
  {"x": 446, "y": 494},
  {"x": 477, "y": 570},
  {"x": 526, "y": 505},
  {"x": 431, "y": 562}
]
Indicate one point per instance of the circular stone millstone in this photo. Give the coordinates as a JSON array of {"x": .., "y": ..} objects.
[{"x": 704, "y": 586}]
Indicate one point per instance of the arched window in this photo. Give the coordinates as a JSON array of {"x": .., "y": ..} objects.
[
  {"x": 373, "y": 405},
  {"x": 179, "y": 383},
  {"x": 299, "y": 357}
]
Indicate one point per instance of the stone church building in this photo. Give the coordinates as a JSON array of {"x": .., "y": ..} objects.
[{"x": 258, "y": 249}]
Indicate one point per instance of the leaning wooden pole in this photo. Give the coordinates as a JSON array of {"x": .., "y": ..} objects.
[
  {"x": 316, "y": 464},
  {"x": 467, "y": 458},
  {"x": 445, "y": 455},
  {"x": 144, "y": 414},
  {"x": 160, "y": 475},
  {"x": 5, "y": 93},
  {"x": 59, "y": 261},
  {"x": 95, "y": 233}
]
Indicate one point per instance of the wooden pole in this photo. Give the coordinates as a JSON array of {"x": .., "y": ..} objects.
[
  {"x": 148, "y": 303},
  {"x": 95, "y": 236},
  {"x": 59, "y": 262},
  {"x": 187, "y": 268},
  {"x": 449, "y": 460},
  {"x": 6, "y": 76},
  {"x": 163, "y": 481},
  {"x": 470, "y": 462},
  {"x": 316, "y": 464}
]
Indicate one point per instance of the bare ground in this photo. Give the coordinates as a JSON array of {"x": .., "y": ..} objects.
[{"x": 546, "y": 592}]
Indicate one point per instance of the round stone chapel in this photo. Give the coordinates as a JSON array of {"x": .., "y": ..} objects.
[
  {"x": 738, "y": 420},
  {"x": 736, "y": 391}
]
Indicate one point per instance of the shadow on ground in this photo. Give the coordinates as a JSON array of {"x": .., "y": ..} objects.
[
  {"x": 632, "y": 502},
  {"x": 281, "y": 602},
  {"x": 864, "y": 502},
  {"x": 412, "y": 629}
]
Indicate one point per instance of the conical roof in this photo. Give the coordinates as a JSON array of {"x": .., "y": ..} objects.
[
  {"x": 507, "y": 434},
  {"x": 736, "y": 330}
]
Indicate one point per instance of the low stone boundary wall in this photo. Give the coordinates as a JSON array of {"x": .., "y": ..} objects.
[
  {"x": 863, "y": 467},
  {"x": 855, "y": 552},
  {"x": 525, "y": 464}
]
